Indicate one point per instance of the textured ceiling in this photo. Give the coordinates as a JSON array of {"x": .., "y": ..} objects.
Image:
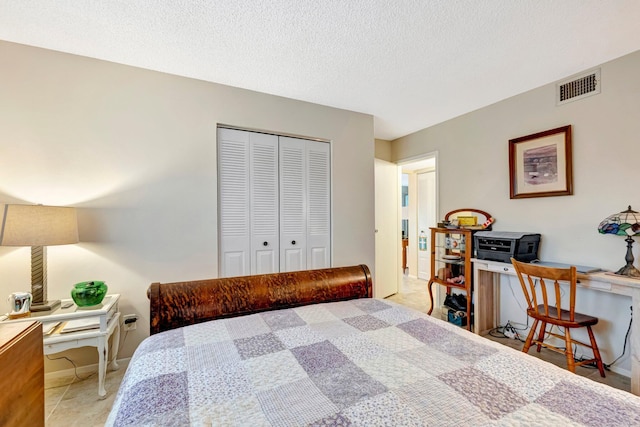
[{"x": 409, "y": 63}]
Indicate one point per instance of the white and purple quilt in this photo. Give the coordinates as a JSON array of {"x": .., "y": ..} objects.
[{"x": 364, "y": 362}]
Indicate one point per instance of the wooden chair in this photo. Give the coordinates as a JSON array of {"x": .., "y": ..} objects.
[{"x": 544, "y": 313}]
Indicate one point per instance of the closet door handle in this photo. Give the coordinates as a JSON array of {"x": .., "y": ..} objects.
[
  {"x": 293, "y": 242},
  {"x": 265, "y": 244}
]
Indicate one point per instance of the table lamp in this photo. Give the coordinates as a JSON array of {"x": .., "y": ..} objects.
[
  {"x": 38, "y": 226},
  {"x": 625, "y": 223}
]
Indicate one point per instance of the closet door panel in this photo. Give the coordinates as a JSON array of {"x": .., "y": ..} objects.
[
  {"x": 293, "y": 205},
  {"x": 264, "y": 210},
  {"x": 318, "y": 257},
  {"x": 234, "y": 264},
  {"x": 234, "y": 203},
  {"x": 319, "y": 205},
  {"x": 264, "y": 262},
  {"x": 293, "y": 259}
]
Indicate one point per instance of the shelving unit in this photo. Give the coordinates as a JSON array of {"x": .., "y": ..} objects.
[{"x": 451, "y": 253}]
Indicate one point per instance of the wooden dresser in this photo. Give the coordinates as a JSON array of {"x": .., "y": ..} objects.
[{"x": 21, "y": 374}]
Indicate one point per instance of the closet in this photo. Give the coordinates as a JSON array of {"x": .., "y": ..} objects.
[{"x": 273, "y": 203}]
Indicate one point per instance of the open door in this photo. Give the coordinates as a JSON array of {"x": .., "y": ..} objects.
[
  {"x": 426, "y": 218},
  {"x": 388, "y": 229}
]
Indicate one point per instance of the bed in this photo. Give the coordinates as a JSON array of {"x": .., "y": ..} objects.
[{"x": 329, "y": 354}]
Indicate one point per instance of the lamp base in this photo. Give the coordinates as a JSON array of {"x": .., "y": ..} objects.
[
  {"x": 629, "y": 271},
  {"x": 46, "y": 305}
]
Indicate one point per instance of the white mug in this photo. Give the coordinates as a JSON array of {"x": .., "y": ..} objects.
[{"x": 20, "y": 304}]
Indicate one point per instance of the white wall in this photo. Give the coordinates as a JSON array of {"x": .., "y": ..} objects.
[
  {"x": 135, "y": 150},
  {"x": 474, "y": 172}
]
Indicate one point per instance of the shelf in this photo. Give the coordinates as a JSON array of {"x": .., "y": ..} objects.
[
  {"x": 451, "y": 261},
  {"x": 449, "y": 284}
]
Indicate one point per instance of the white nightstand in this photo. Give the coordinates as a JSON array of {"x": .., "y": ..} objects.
[{"x": 105, "y": 320}]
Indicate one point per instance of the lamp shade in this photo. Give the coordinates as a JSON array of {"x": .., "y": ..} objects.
[
  {"x": 38, "y": 225},
  {"x": 625, "y": 223}
]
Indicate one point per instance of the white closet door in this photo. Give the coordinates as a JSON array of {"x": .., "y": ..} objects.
[
  {"x": 234, "y": 203},
  {"x": 293, "y": 206},
  {"x": 265, "y": 236},
  {"x": 319, "y": 205},
  {"x": 274, "y": 203}
]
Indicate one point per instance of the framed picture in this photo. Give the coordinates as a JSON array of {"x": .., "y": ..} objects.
[{"x": 540, "y": 164}]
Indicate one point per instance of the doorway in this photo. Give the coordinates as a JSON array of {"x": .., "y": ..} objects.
[
  {"x": 420, "y": 213},
  {"x": 390, "y": 214}
]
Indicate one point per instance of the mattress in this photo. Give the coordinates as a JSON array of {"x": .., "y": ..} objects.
[{"x": 367, "y": 362}]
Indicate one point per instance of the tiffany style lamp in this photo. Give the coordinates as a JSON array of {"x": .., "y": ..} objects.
[{"x": 625, "y": 223}]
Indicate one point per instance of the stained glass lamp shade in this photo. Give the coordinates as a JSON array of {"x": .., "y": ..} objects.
[{"x": 625, "y": 223}]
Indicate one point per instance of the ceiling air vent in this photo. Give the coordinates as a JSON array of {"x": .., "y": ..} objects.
[{"x": 578, "y": 87}]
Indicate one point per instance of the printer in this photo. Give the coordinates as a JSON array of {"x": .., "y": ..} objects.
[{"x": 504, "y": 245}]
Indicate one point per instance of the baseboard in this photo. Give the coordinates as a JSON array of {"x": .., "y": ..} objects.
[{"x": 620, "y": 371}]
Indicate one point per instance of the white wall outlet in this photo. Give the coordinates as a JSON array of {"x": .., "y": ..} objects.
[{"x": 129, "y": 322}]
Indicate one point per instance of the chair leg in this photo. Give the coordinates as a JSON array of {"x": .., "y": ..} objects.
[
  {"x": 543, "y": 330},
  {"x": 596, "y": 352},
  {"x": 571, "y": 363},
  {"x": 532, "y": 332}
]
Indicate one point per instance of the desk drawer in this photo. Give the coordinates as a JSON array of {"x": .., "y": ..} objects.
[{"x": 506, "y": 268}]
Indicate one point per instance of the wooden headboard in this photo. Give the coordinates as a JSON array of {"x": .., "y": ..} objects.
[{"x": 173, "y": 305}]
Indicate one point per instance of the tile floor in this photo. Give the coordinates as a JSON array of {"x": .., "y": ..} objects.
[
  {"x": 71, "y": 402},
  {"x": 74, "y": 402}
]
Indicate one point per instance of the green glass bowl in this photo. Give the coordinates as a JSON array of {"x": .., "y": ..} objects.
[{"x": 87, "y": 294}]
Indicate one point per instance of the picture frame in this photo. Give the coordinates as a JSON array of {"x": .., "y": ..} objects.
[{"x": 540, "y": 164}]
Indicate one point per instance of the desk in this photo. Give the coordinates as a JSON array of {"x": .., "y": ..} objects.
[
  {"x": 486, "y": 276},
  {"x": 106, "y": 314}
]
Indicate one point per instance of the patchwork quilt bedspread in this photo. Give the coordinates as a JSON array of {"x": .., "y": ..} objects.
[{"x": 365, "y": 362}]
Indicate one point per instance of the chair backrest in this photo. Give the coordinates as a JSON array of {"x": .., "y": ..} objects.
[{"x": 548, "y": 279}]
